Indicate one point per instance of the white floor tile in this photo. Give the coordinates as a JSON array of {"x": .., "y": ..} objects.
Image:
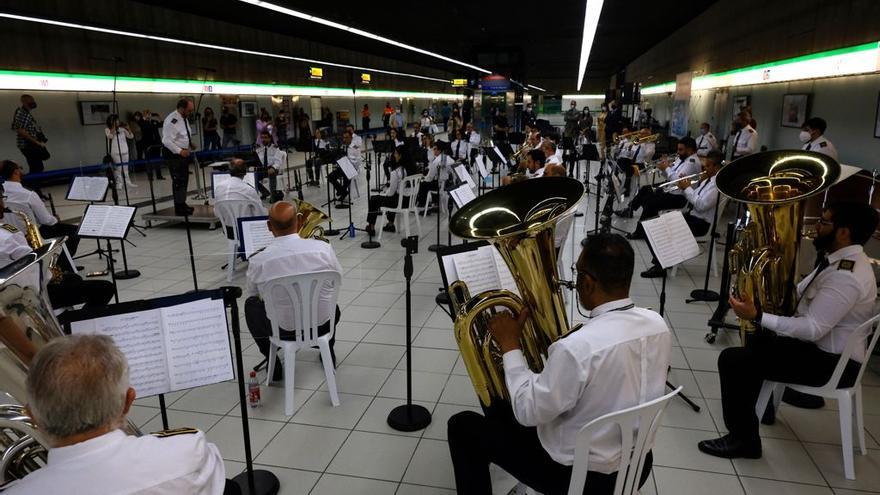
[
  {"x": 459, "y": 390},
  {"x": 757, "y": 486},
  {"x": 675, "y": 447},
  {"x": 431, "y": 465},
  {"x": 303, "y": 447},
  {"x": 180, "y": 419},
  {"x": 320, "y": 412},
  {"x": 334, "y": 484},
  {"x": 433, "y": 360},
  {"x": 685, "y": 482},
  {"x": 375, "y": 419},
  {"x": 782, "y": 460},
  {"x": 426, "y": 386},
  {"x": 359, "y": 379},
  {"x": 374, "y": 455},
  {"x": 227, "y": 435},
  {"x": 829, "y": 458},
  {"x": 375, "y": 355}
]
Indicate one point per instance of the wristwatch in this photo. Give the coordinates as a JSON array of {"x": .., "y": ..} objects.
[{"x": 757, "y": 319}]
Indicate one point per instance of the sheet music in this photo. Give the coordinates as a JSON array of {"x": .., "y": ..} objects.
[
  {"x": 255, "y": 235},
  {"x": 198, "y": 344},
  {"x": 88, "y": 189},
  {"x": 218, "y": 178},
  {"x": 464, "y": 175},
  {"x": 462, "y": 195},
  {"x": 481, "y": 165},
  {"x": 139, "y": 336},
  {"x": 504, "y": 276},
  {"x": 347, "y": 167},
  {"x": 671, "y": 239},
  {"x": 477, "y": 270},
  {"x": 106, "y": 221},
  {"x": 500, "y": 155}
]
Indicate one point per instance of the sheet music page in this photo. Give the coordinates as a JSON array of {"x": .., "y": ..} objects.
[
  {"x": 504, "y": 276},
  {"x": 88, "y": 189},
  {"x": 462, "y": 195},
  {"x": 500, "y": 155},
  {"x": 464, "y": 175},
  {"x": 255, "y": 235},
  {"x": 140, "y": 337},
  {"x": 106, "y": 221},
  {"x": 347, "y": 167},
  {"x": 477, "y": 270},
  {"x": 197, "y": 340},
  {"x": 481, "y": 165},
  {"x": 671, "y": 239}
]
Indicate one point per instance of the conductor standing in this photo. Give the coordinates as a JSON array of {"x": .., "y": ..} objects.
[{"x": 176, "y": 149}]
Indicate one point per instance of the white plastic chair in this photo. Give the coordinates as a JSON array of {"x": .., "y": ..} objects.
[
  {"x": 849, "y": 400},
  {"x": 229, "y": 211},
  {"x": 409, "y": 188},
  {"x": 638, "y": 426},
  {"x": 292, "y": 304}
]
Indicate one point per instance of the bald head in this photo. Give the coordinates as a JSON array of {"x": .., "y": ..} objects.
[
  {"x": 554, "y": 170},
  {"x": 282, "y": 219},
  {"x": 237, "y": 168}
]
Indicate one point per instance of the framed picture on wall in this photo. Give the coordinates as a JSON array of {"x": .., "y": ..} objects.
[
  {"x": 740, "y": 103},
  {"x": 877, "y": 118},
  {"x": 248, "y": 109},
  {"x": 794, "y": 110},
  {"x": 95, "y": 112}
]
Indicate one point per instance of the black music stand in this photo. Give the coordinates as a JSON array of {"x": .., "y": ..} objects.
[{"x": 705, "y": 294}]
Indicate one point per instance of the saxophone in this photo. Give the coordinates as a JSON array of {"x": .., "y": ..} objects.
[{"x": 35, "y": 241}]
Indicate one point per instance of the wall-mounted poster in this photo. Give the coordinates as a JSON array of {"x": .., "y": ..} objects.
[
  {"x": 678, "y": 124},
  {"x": 794, "y": 110},
  {"x": 741, "y": 103},
  {"x": 95, "y": 112},
  {"x": 248, "y": 109}
]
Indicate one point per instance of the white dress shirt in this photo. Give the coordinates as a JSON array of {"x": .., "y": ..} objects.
[
  {"x": 834, "y": 305},
  {"x": 553, "y": 160},
  {"x": 271, "y": 154},
  {"x": 237, "y": 189},
  {"x": 459, "y": 149},
  {"x": 682, "y": 168},
  {"x": 438, "y": 168},
  {"x": 702, "y": 199},
  {"x": 558, "y": 154},
  {"x": 119, "y": 139},
  {"x": 706, "y": 143},
  {"x": 176, "y": 134},
  {"x": 117, "y": 464},
  {"x": 395, "y": 182},
  {"x": 745, "y": 142},
  {"x": 357, "y": 141},
  {"x": 292, "y": 255},
  {"x": 822, "y": 145},
  {"x": 25, "y": 198},
  {"x": 474, "y": 140},
  {"x": 13, "y": 244},
  {"x": 615, "y": 361},
  {"x": 354, "y": 151},
  {"x": 642, "y": 153}
]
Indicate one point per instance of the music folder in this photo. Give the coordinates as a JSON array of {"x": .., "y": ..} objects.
[
  {"x": 347, "y": 167},
  {"x": 106, "y": 221},
  {"x": 88, "y": 189},
  {"x": 253, "y": 234},
  {"x": 478, "y": 264},
  {"x": 671, "y": 239}
]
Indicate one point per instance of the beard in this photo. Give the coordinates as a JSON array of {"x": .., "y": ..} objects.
[{"x": 822, "y": 243}]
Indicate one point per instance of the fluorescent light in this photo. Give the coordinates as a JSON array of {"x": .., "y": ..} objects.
[
  {"x": 53, "y": 81},
  {"x": 207, "y": 45},
  {"x": 585, "y": 97},
  {"x": 859, "y": 59},
  {"x": 375, "y": 37},
  {"x": 591, "y": 21},
  {"x": 535, "y": 87}
]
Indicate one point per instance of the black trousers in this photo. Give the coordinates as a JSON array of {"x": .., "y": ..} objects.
[
  {"x": 340, "y": 182},
  {"x": 63, "y": 229},
  {"x": 32, "y": 155},
  {"x": 365, "y": 123},
  {"x": 769, "y": 356},
  {"x": 653, "y": 202},
  {"x": 424, "y": 189},
  {"x": 475, "y": 441},
  {"x": 378, "y": 201},
  {"x": 261, "y": 328},
  {"x": 72, "y": 290},
  {"x": 178, "y": 168},
  {"x": 626, "y": 166}
]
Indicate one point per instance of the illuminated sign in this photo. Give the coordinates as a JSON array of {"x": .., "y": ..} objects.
[
  {"x": 459, "y": 83},
  {"x": 316, "y": 73},
  {"x": 365, "y": 78}
]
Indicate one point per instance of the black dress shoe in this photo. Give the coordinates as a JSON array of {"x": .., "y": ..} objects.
[
  {"x": 655, "y": 271},
  {"x": 184, "y": 211},
  {"x": 389, "y": 228},
  {"x": 769, "y": 416},
  {"x": 369, "y": 229},
  {"x": 729, "y": 447},
  {"x": 802, "y": 400}
]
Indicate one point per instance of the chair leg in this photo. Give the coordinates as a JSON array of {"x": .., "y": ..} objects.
[
  {"x": 674, "y": 271},
  {"x": 380, "y": 221},
  {"x": 418, "y": 223},
  {"x": 273, "y": 354},
  {"x": 845, "y": 404},
  {"x": 329, "y": 372},
  {"x": 427, "y": 204},
  {"x": 289, "y": 369},
  {"x": 860, "y": 419}
]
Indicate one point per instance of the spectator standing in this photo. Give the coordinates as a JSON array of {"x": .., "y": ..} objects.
[
  {"x": 365, "y": 117},
  {"x": 209, "y": 127},
  {"x": 117, "y": 134},
  {"x": 387, "y": 112},
  {"x": 228, "y": 122},
  {"x": 134, "y": 125},
  {"x": 282, "y": 123},
  {"x": 264, "y": 123},
  {"x": 29, "y": 137}
]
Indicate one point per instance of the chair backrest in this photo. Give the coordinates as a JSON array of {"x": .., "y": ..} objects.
[
  {"x": 409, "y": 187},
  {"x": 638, "y": 426},
  {"x": 292, "y": 302},
  {"x": 851, "y": 343},
  {"x": 230, "y": 210},
  {"x": 14, "y": 219}
]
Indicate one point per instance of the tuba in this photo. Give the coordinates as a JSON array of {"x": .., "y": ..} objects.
[
  {"x": 519, "y": 220},
  {"x": 773, "y": 185},
  {"x": 310, "y": 218}
]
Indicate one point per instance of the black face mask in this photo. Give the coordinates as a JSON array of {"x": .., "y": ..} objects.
[
  {"x": 738, "y": 125},
  {"x": 823, "y": 242},
  {"x": 33, "y": 105}
]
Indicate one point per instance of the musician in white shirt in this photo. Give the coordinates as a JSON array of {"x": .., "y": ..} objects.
[
  {"x": 702, "y": 200},
  {"x": 400, "y": 166},
  {"x": 79, "y": 396},
  {"x": 813, "y": 136},
  {"x": 548, "y": 147},
  {"x": 745, "y": 141},
  {"x": 177, "y": 146},
  {"x": 319, "y": 154},
  {"x": 236, "y": 189},
  {"x": 272, "y": 160},
  {"x": 337, "y": 177},
  {"x": 707, "y": 141},
  {"x": 639, "y": 153},
  {"x": 459, "y": 146},
  {"x": 616, "y": 361},
  {"x": 473, "y": 139},
  {"x": 438, "y": 171}
]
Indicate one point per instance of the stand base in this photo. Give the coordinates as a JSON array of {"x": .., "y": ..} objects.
[
  {"x": 341, "y": 206},
  {"x": 127, "y": 274},
  {"x": 409, "y": 417},
  {"x": 371, "y": 245},
  {"x": 442, "y": 298},
  {"x": 265, "y": 483},
  {"x": 703, "y": 295},
  {"x": 331, "y": 232}
]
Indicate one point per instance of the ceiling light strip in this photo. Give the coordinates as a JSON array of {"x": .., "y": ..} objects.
[
  {"x": 375, "y": 37},
  {"x": 584, "y": 97},
  {"x": 116, "y": 32},
  {"x": 536, "y": 87},
  {"x": 52, "y": 81},
  {"x": 592, "y": 11},
  {"x": 860, "y": 59}
]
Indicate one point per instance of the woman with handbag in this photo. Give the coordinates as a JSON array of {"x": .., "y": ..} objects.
[{"x": 117, "y": 134}]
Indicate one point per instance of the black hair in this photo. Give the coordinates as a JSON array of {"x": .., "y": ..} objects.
[
  {"x": 182, "y": 103},
  {"x": 8, "y": 168},
  {"x": 111, "y": 118},
  {"x": 238, "y": 169},
  {"x": 715, "y": 156},
  {"x": 609, "y": 259},
  {"x": 688, "y": 142},
  {"x": 537, "y": 156},
  {"x": 860, "y": 218},
  {"x": 265, "y": 132},
  {"x": 816, "y": 123}
]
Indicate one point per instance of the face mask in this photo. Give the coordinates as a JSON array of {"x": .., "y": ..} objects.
[
  {"x": 737, "y": 125},
  {"x": 804, "y": 136},
  {"x": 703, "y": 132},
  {"x": 33, "y": 105}
]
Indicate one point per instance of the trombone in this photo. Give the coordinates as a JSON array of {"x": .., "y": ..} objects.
[
  {"x": 672, "y": 185},
  {"x": 646, "y": 139},
  {"x": 620, "y": 137}
]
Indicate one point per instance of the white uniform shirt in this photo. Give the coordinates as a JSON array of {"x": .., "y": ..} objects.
[
  {"x": 706, "y": 143},
  {"x": 16, "y": 193},
  {"x": 438, "y": 168},
  {"x": 357, "y": 141},
  {"x": 745, "y": 142},
  {"x": 459, "y": 149},
  {"x": 395, "y": 182},
  {"x": 474, "y": 140},
  {"x": 703, "y": 198},
  {"x": 822, "y": 145},
  {"x": 834, "y": 305},
  {"x": 617, "y": 360},
  {"x": 118, "y": 464},
  {"x": 642, "y": 153},
  {"x": 553, "y": 160},
  {"x": 237, "y": 189},
  {"x": 292, "y": 255},
  {"x": 13, "y": 244},
  {"x": 274, "y": 156},
  {"x": 682, "y": 168},
  {"x": 354, "y": 151},
  {"x": 558, "y": 154},
  {"x": 176, "y": 134}
]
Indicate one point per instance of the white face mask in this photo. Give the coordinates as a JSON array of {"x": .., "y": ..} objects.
[
  {"x": 703, "y": 131},
  {"x": 804, "y": 136}
]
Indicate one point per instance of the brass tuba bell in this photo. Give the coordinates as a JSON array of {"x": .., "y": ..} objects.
[
  {"x": 519, "y": 220},
  {"x": 310, "y": 218},
  {"x": 773, "y": 185}
]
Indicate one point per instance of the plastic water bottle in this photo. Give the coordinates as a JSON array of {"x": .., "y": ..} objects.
[{"x": 254, "y": 390}]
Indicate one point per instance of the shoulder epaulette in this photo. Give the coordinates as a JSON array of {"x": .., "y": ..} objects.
[
  {"x": 9, "y": 227},
  {"x": 846, "y": 265},
  {"x": 174, "y": 432},
  {"x": 823, "y": 144}
]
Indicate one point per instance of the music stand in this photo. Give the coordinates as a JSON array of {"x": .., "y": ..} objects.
[
  {"x": 107, "y": 222},
  {"x": 93, "y": 190}
]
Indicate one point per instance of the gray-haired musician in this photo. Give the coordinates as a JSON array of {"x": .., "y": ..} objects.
[
  {"x": 833, "y": 300},
  {"x": 617, "y": 360},
  {"x": 79, "y": 395}
]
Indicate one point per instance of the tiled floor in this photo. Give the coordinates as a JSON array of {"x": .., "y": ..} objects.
[{"x": 350, "y": 449}]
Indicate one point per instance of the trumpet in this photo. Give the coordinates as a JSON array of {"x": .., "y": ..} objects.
[
  {"x": 652, "y": 166},
  {"x": 672, "y": 185}
]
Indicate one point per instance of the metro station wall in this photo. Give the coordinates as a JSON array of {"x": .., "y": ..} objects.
[{"x": 848, "y": 104}]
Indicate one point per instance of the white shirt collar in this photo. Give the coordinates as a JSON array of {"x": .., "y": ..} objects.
[
  {"x": 844, "y": 253},
  {"x": 610, "y": 306},
  {"x": 70, "y": 452}
]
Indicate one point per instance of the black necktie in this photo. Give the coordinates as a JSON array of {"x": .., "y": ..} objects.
[
  {"x": 188, "y": 137},
  {"x": 266, "y": 156},
  {"x": 699, "y": 190},
  {"x": 736, "y": 143},
  {"x": 457, "y": 149}
]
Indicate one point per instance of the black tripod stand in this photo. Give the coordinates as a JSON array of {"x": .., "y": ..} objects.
[{"x": 370, "y": 243}]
